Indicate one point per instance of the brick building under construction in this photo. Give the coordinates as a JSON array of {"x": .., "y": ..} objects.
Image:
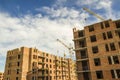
[
  {"x": 97, "y": 49},
  {"x": 1, "y": 76},
  {"x": 31, "y": 64}
]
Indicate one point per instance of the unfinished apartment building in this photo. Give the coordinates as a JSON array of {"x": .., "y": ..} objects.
[
  {"x": 31, "y": 64},
  {"x": 97, "y": 49},
  {"x": 1, "y": 76}
]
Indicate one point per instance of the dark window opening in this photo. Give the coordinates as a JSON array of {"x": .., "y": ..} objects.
[
  {"x": 47, "y": 78},
  {"x": 112, "y": 46},
  {"x": 47, "y": 72},
  {"x": 112, "y": 73},
  {"x": 18, "y": 63},
  {"x": 50, "y": 66},
  {"x": 104, "y": 36},
  {"x": 34, "y": 56},
  {"x": 80, "y": 33},
  {"x": 10, "y": 58},
  {"x": 95, "y": 49},
  {"x": 116, "y": 60},
  {"x": 118, "y": 34},
  {"x": 46, "y": 60},
  {"x": 18, "y": 71},
  {"x": 99, "y": 74},
  {"x": 17, "y": 78},
  {"x": 106, "y": 47},
  {"x": 97, "y": 62},
  {"x": 119, "y": 44},
  {"x": 33, "y": 78},
  {"x": 34, "y": 64},
  {"x": 91, "y": 28},
  {"x": 102, "y": 26},
  {"x": 118, "y": 73},
  {"x": 50, "y": 60},
  {"x": 50, "y": 77},
  {"x": 107, "y": 24},
  {"x": 8, "y": 72},
  {"x": 34, "y": 71},
  {"x": 19, "y": 56},
  {"x": 47, "y": 55},
  {"x": 47, "y": 65},
  {"x": 117, "y": 24},
  {"x": 109, "y": 34},
  {"x": 9, "y": 65},
  {"x": 93, "y": 38},
  {"x": 109, "y": 60}
]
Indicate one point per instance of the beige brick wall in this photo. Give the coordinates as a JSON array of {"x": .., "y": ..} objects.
[
  {"x": 35, "y": 64},
  {"x": 102, "y": 54},
  {"x": 1, "y": 76}
]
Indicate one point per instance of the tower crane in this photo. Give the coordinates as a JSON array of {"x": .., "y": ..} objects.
[
  {"x": 69, "y": 48},
  {"x": 94, "y": 14}
]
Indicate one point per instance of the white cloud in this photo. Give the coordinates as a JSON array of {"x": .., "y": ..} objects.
[
  {"x": 34, "y": 31},
  {"x": 85, "y": 2},
  {"x": 99, "y": 4},
  {"x": 38, "y": 31}
]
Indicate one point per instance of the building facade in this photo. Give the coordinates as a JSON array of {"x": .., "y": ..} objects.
[
  {"x": 31, "y": 64},
  {"x": 1, "y": 76},
  {"x": 97, "y": 49}
]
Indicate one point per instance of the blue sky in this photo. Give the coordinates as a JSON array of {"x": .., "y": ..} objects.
[{"x": 38, "y": 23}]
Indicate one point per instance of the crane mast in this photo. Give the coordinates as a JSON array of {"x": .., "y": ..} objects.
[{"x": 96, "y": 15}]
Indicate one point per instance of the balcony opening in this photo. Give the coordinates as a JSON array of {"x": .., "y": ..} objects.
[
  {"x": 86, "y": 76},
  {"x": 80, "y": 33},
  {"x": 83, "y": 54},
  {"x": 82, "y": 43},
  {"x": 85, "y": 65}
]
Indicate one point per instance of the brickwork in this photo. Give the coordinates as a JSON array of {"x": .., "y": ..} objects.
[
  {"x": 1, "y": 76},
  {"x": 97, "y": 49},
  {"x": 31, "y": 64}
]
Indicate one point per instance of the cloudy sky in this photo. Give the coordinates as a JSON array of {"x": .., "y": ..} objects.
[{"x": 38, "y": 23}]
